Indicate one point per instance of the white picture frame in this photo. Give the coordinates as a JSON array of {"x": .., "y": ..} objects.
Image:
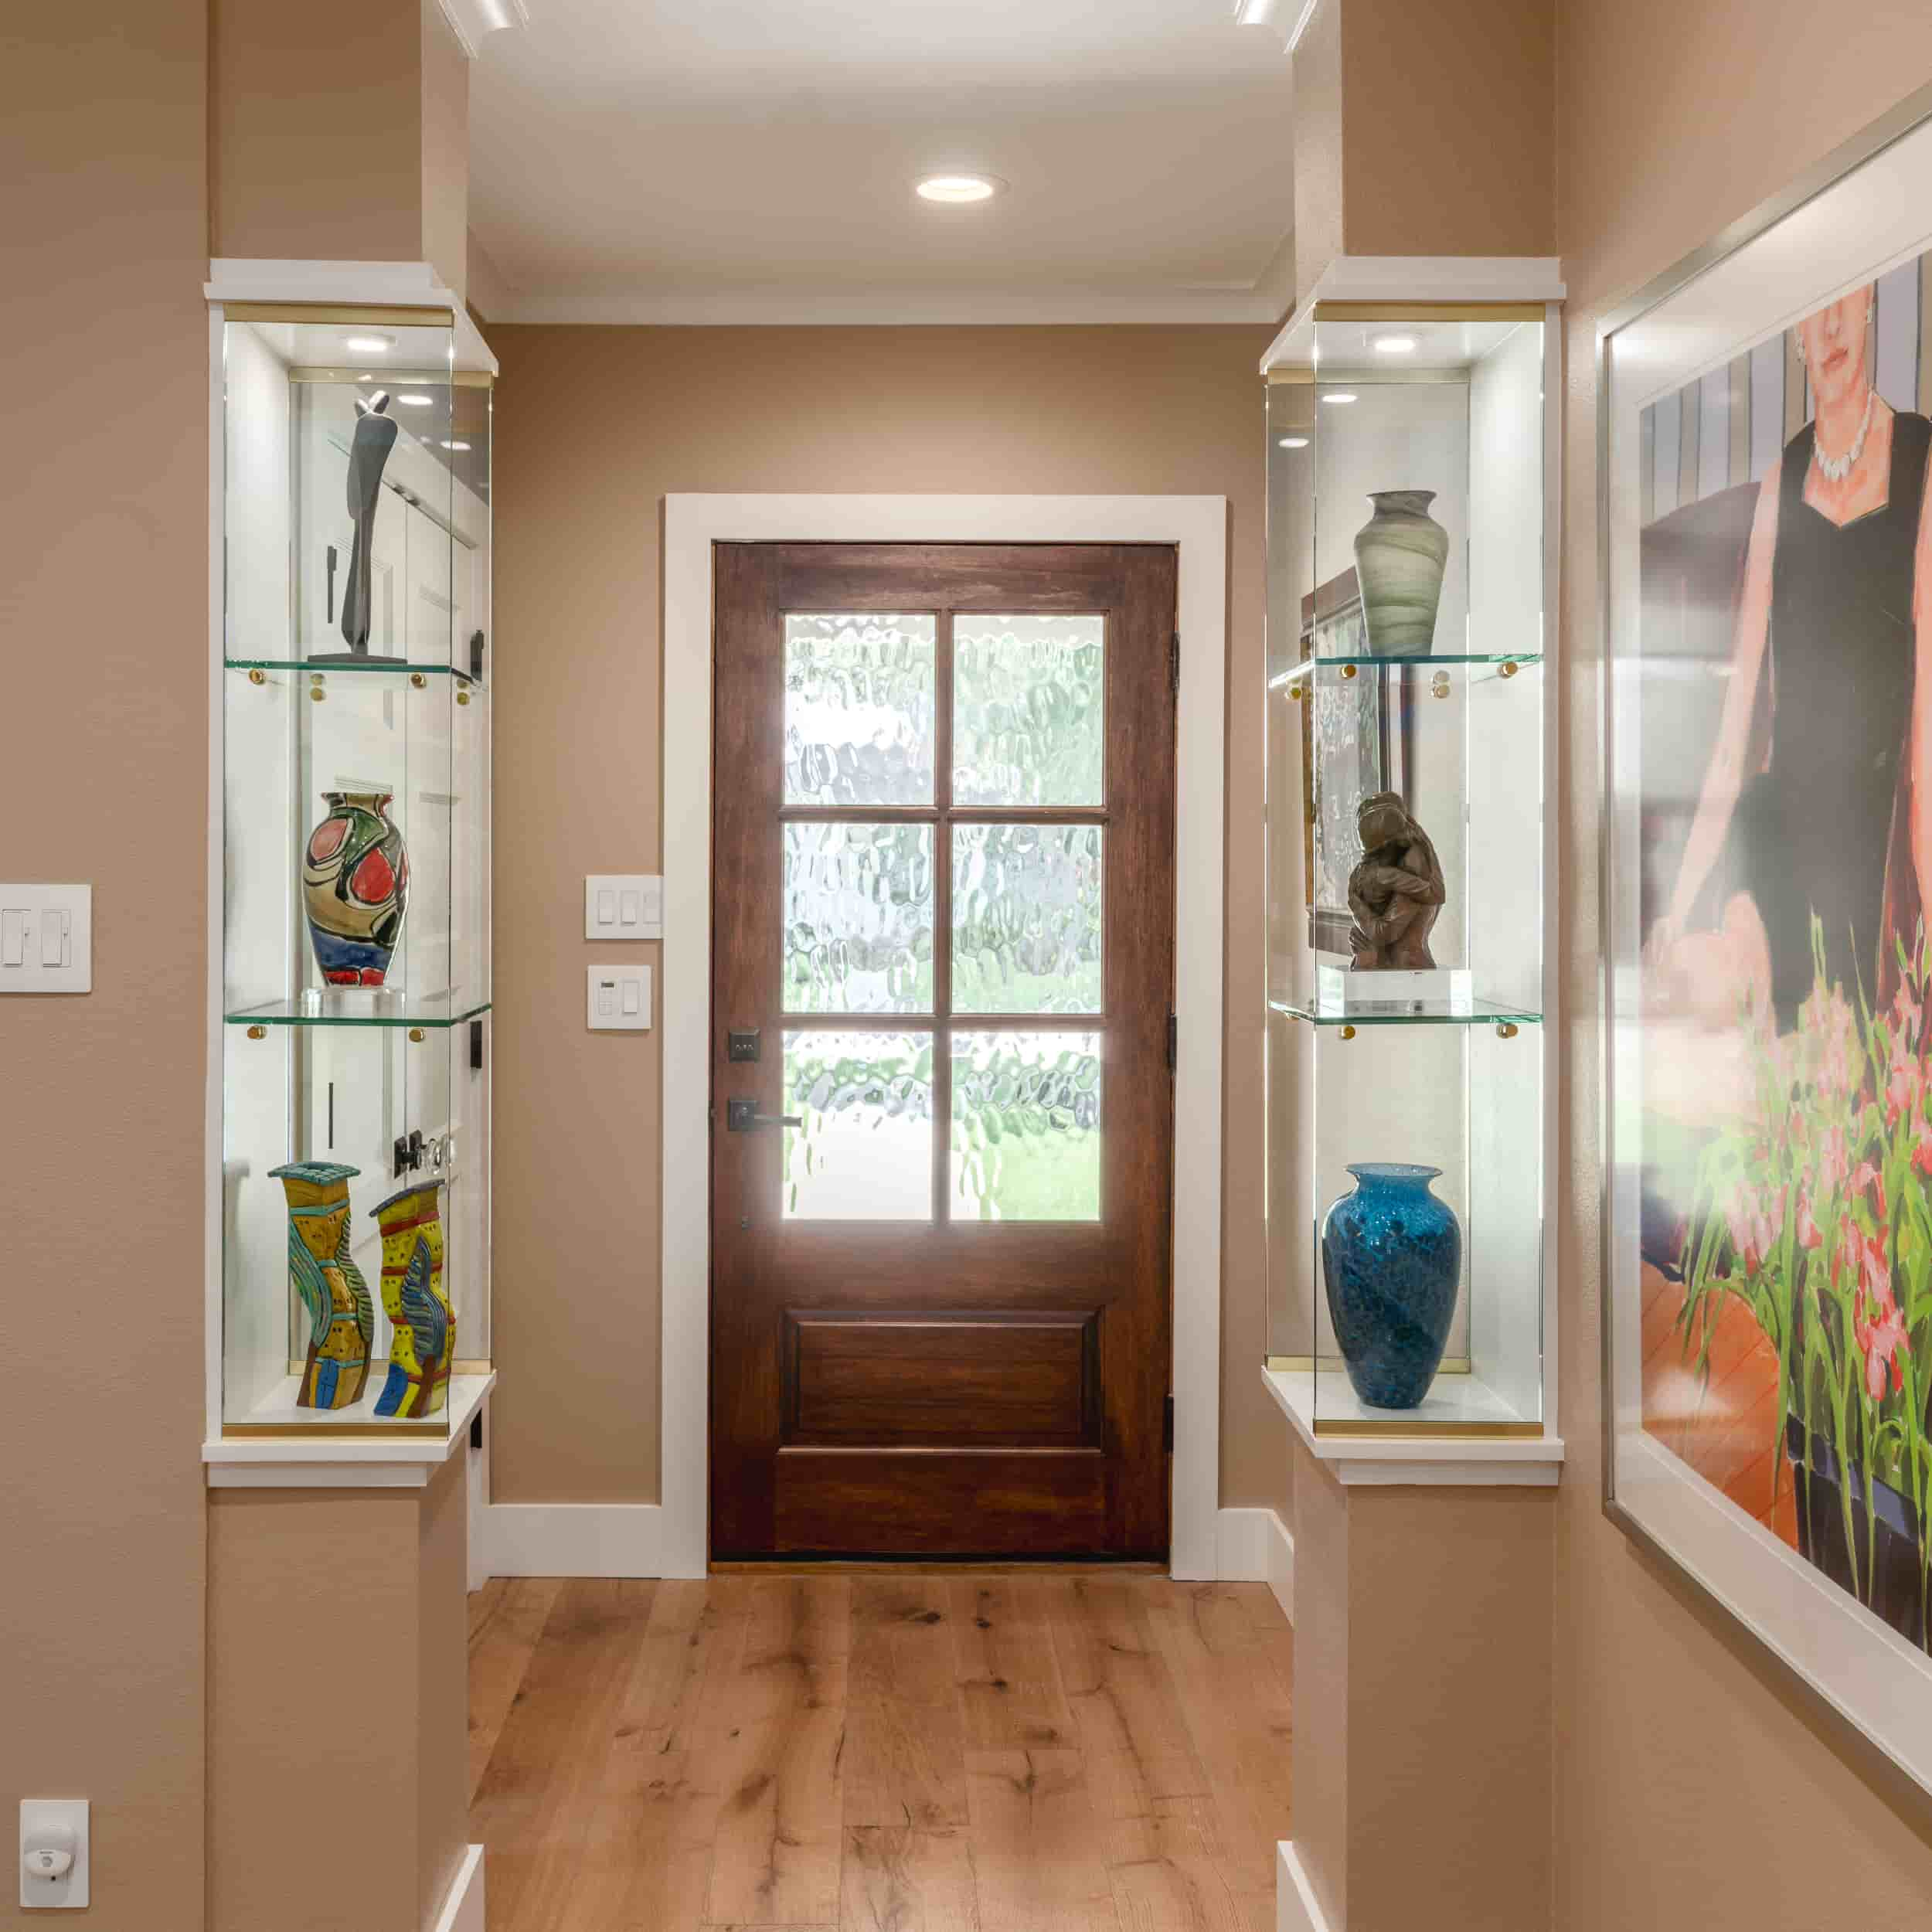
[{"x": 1715, "y": 321}]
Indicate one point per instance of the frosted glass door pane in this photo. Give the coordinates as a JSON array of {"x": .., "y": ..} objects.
[
  {"x": 1026, "y": 919},
  {"x": 864, "y": 1149},
  {"x": 1028, "y": 710},
  {"x": 858, "y": 918},
  {"x": 859, "y": 709},
  {"x": 1026, "y": 1127}
]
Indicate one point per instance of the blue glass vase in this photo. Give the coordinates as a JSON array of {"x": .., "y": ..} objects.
[{"x": 1392, "y": 1258}]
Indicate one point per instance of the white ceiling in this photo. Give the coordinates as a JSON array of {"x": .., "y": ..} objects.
[{"x": 753, "y": 161}]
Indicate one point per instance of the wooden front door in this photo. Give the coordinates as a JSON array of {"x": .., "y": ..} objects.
[{"x": 942, "y": 1130}]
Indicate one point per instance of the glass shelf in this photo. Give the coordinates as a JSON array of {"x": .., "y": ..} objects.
[
  {"x": 353, "y": 1007},
  {"x": 323, "y": 666},
  {"x": 1493, "y": 661},
  {"x": 1481, "y": 1012}
]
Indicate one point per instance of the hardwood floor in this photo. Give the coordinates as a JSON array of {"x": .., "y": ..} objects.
[{"x": 896, "y": 1751}]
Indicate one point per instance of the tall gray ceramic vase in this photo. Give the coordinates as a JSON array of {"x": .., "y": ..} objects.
[{"x": 1399, "y": 554}]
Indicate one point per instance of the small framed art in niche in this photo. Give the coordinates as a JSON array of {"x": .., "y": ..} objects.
[{"x": 1355, "y": 743}]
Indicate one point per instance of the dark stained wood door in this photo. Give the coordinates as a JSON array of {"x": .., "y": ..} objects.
[{"x": 942, "y": 1109}]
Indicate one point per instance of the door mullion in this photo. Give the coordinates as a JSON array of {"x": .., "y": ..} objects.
[{"x": 943, "y": 919}]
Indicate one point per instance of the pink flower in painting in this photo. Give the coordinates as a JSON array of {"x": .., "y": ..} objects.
[
  {"x": 1755, "y": 1224},
  {"x": 1868, "y": 1176},
  {"x": 1828, "y": 1021},
  {"x": 1909, "y": 1014},
  {"x": 1922, "y": 1155},
  {"x": 1834, "y": 1160},
  {"x": 1903, "y": 1089},
  {"x": 1876, "y": 1320},
  {"x": 1809, "y": 1234}
]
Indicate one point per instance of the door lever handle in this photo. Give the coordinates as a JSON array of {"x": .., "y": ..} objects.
[{"x": 742, "y": 1115}]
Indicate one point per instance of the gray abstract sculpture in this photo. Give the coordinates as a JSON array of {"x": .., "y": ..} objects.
[
  {"x": 375, "y": 437},
  {"x": 1397, "y": 893}
]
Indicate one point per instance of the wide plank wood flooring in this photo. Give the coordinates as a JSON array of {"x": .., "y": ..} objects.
[{"x": 910, "y": 1751}]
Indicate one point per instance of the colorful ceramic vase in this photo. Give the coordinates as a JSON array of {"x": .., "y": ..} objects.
[
  {"x": 341, "y": 1318},
  {"x": 423, "y": 1323},
  {"x": 1400, "y": 556},
  {"x": 355, "y": 880},
  {"x": 1392, "y": 1258}
]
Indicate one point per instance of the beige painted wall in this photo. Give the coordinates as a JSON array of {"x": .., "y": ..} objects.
[
  {"x": 594, "y": 426},
  {"x": 314, "y": 145},
  {"x": 104, "y": 682},
  {"x": 338, "y": 133},
  {"x": 1444, "y": 146},
  {"x": 1688, "y": 1789},
  {"x": 337, "y": 1655},
  {"x": 1446, "y": 138}
]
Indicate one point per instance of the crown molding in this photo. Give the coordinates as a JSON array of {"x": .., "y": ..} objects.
[
  {"x": 470, "y": 20},
  {"x": 887, "y": 307}
]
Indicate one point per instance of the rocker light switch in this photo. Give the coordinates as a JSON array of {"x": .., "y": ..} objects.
[
  {"x": 47, "y": 939},
  {"x": 620, "y": 999},
  {"x": 623, "y": 906}
]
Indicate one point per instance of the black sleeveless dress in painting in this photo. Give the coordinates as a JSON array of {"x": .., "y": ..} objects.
[{"x": 1823, "y": 824}]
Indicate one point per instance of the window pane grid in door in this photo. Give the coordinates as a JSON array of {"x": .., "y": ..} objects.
[{"x": 944, "y": 776}]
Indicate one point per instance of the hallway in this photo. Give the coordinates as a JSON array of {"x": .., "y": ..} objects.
[{"x": 1015, "y": 1751}]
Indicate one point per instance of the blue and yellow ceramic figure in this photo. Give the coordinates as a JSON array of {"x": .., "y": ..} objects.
[
  {"x": 423, "y": 1324},
  {"x": 341, "y": 1318}
]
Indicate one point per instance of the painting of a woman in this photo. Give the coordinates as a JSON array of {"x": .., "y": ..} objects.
[
  {"x": 1811, "y": 780},
  {"x": 1786, "y": 1238}
]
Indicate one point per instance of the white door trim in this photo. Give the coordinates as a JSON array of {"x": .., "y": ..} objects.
[{"x": 1198, "y": 526}]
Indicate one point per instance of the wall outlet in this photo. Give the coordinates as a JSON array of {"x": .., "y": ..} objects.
[{"x": 54, "y": 1852}]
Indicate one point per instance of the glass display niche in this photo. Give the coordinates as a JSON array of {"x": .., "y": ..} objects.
[
  {"x": 1407, "y": 455},
  {"x": 355, "y": 1006}
]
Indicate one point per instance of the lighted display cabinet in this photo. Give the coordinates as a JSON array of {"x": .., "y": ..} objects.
[
  {"x": 355, "y": 656},
  {"x": 1438, "y": 410}
]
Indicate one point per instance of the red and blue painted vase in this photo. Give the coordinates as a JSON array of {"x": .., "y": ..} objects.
[{"x": 355, "y": 880}]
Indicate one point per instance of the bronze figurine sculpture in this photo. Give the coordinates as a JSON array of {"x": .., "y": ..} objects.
[{"x": 1397, "y": 893}]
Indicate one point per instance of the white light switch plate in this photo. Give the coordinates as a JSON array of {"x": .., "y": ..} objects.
[
  {"x": 36, "y": 1815},
  {"x": 47, "y": 939},
  {"x": 620, "y": 1000},
  {"x": 622, "y": 905}
]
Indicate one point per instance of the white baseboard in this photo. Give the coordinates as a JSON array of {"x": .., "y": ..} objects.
[
  {"x": 1296, "y": 1908},
  {"x": 572, "y": 1539},
  {"x": 463, "y": 1909},
  {"x": 625, "y": 1540},
  {"x": 1253, "y": 1546}
]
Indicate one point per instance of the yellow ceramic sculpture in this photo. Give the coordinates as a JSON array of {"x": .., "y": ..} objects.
[
  {"x": 423, "y": 1322},
  {"x": 341, "y": 1318}
]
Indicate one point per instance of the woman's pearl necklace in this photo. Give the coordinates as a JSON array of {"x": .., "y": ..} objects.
[{"x": 1836, "y": 469}]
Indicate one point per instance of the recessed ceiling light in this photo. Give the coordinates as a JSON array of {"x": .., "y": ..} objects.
[
  {"x": 369, "y": 344},
  {"x": 1294, "y": 442},
  {"x": 416, "y": 402},
  {"x": 1338, "y": 396},
  {"x": 455, "y": 446},
  {"x": 958, "y": 188},
  {"x": 1395, "y": 345}
]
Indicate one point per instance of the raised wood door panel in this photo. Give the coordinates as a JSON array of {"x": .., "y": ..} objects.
[{"x": 940, "y": 1304}]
